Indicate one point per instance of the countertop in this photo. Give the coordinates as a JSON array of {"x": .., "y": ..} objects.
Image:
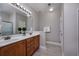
[{"x": 16, "y": 38}]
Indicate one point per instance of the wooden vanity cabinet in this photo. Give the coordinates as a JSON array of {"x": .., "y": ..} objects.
[
  {"x": 32, "y": 45},
  {"x": 28, "y": 50},
  {"x": 15, "y": 49},
  {"x": 26, "y": 47},
  {"x": 37, "y": 43}
]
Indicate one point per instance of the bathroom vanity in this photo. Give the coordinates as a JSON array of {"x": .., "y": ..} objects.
[
  {"x": 22, "y": 46},
  {"x": 11, "y": 19}
]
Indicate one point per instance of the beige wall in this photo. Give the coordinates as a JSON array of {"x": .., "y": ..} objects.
[
  {"x": 51, "y": 19},
  {"x": 45, "y": 18},
  {"x": 32, "y": 22}
]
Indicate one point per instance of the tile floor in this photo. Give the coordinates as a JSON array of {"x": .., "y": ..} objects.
[{"x": 51, "y": 50}]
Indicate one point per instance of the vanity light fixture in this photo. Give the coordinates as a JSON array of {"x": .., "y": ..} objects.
[
  {"x": 22, "y": 8},
  {"x": 17, "y": 3}
]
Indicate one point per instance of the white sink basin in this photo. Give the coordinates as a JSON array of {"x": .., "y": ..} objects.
[
  {"x": 17, "y": 37},
  {"x": 1, "y": 40},
  {"x": 13, "y": 37}
]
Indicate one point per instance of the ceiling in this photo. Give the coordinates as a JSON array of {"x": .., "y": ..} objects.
[
  {"x": 34, "y": 6},
  {"x": 41, "y": 6},
  {"x": 37, "y": 6},
  {"x": 6, "y": 8}
]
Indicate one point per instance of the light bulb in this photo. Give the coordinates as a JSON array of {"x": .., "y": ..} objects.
[
  {"x": 24, "y": 8},
  {"x": 28, "y": 15},
  {"x": 18, "y": 4},
  {"x": 51, "y": 9}
]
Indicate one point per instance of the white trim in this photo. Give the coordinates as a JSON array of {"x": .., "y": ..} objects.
[
  {"x": 17, "y": 8},
  {"x": 77, "y": 32},
  {"x": 42, "y": 47},
  {"x": 54, "y": 43},
  {"x": 57, "y": 44}
]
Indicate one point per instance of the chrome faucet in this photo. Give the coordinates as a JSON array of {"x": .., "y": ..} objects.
[{"x": 7, "y": 38}]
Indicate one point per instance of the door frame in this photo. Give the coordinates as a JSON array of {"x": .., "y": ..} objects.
[
  {"x": 77, "y": 31},
  {"x": 62, "y": 41}
]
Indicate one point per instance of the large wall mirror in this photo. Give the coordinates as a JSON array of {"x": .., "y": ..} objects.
[{"x": 10, "y": 19}]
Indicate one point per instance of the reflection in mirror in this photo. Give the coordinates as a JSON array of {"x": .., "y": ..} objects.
[
  {"x": 21, "y": 22},
  {"x": 6, "y": 24},
  {"x": 7, "y": 28},
  {"x": 13, "y": 18}
]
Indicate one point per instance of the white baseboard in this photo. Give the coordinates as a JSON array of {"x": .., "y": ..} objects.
[
  {"x": 57, "y": 44},
  {"x": 42, "y": 47},
  {"x": 54, "y": 43}
]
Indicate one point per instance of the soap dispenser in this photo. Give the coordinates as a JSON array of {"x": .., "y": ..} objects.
[{"x": 31, "y": 31}]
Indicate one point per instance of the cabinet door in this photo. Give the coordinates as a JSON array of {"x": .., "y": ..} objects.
[
  {"x": 32, "y": 43},
  {"x": 28, "y": 50},
  {"x": 38, "y": 41},
  {"x": 20, "y": 48},
  {"x": 30, "y": 46},
  {"x": 36, "y": 38},
  {"x": 15, "y": 49}
]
